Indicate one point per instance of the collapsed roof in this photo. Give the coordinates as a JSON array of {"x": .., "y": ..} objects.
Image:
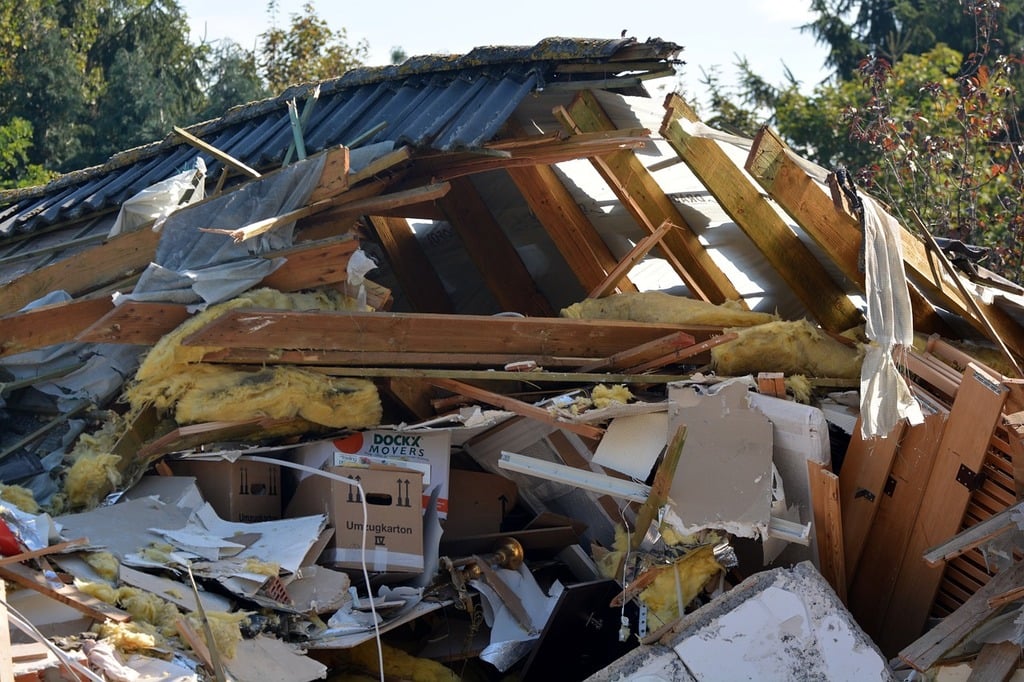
[{"x": 503, "y": 186}]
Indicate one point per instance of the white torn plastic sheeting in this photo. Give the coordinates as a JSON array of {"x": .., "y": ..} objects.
[
  {"x": 724, "y": 476},
  {"x": 510, "y": 640},
  {"x": 885, "y": 396},
  {"x": 156, "y": 202},
  {"x": 631, "y": 444}
]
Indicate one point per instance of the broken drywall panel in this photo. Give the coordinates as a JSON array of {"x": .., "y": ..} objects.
[
  {"x": 651, "y": 663},
  {"x": 179, "y": 491},
  {"x": 799, "y": 435},
  {"x": 272, "y": 660},
  {"x": 724, "y": 476},
  {"x": 631, "y": 444},
  {"x": 123, "y": 528},
  {"x": 781, "y": 624}
]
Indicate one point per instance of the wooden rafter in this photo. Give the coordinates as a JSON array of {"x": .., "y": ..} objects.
[
  {"x": 825, "y": 299},
  {"x": 641, "y": 195}
]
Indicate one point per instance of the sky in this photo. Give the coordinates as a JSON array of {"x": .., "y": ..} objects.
[{"x": 712, "y": 34}]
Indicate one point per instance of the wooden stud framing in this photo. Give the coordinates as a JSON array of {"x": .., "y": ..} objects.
[{"x": 420, "y": 282}]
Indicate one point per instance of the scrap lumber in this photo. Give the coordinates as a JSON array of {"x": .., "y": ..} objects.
[
  {"x": 687, "y": 353},
  {"x": 6, "y": 652},
  {"x": 996, "y": 662},
  {"x": 493, "y": 253},
  {"x": 924, "y": 652},
  {"x": 500, "y": 375},
  {"x": 862, "y": 481},
  {"x": 972, "y": 537},
  {"x": 828, "y": 525},
  {"x": 135, "y": 322},
  {"x": 958, "y": 461},
  {"x": 425, "y": 333},
  {"x": 517, "y": 406},
  {"x": 645, "y": 352},
  {"x": 65, "y": 594},
  {"x": 824, "y": 298},
  {"x": 660, "y": 487},
  {"x": 641, "y": 195},
  {"x": 55, "y": 548},
  {"x": 358, "y": 358},
  {"x": 223, "y": 157}
]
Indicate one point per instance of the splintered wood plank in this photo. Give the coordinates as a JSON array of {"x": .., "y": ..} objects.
[
  {"x": 680, "y": 354},
  {"x": 425, "y": 333},
  {"x": 57, "y": 323},
  {"x": 417, "y": 276},
  {"x": 642, "y": 353},
  {"x": 519, "y": 407},
  {"x": 996, "y": 662},
  {"x": 490, "y": 249},
  {"x": 969, "y": 538},
  {"x": 65, "y": 594},
  {"x": 826, "y": 300},
  {"x": 836, "y": 232},
  {"x": 249, "y": 356},
  {"x": 972, "y": 419},
  {"x": 135, "y": 322},
  {"x": 412, "y": 394},
  {"x": 641, "y": 195},
  {"x": 573, "y": 234},
  {"x": 882, "y": 555},
  {"x": 924, "y": 652},
  {"x": 862, "y": 478},
  {"x": 828, "y": 525},
  {"x": 334, "y": 177}
]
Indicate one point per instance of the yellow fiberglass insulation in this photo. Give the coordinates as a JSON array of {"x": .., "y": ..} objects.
[
  {"x": 173, "y": 376},
  {"x": 657, "y": 306},
  {"x": 398, "y": 665},
  {"x": 788, "y": 347},
  {"x": 225, "y": 627},
  {"x": 603, "y": 396},
  {"x": 20, "y": 497},
  {"x": 105, "y": 564},
  {"x": 90, "y": 478},
  {"x": 679, "y": 583}
]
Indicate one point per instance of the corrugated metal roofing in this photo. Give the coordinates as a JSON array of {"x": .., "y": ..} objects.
[{"x": 440, "y": 102}]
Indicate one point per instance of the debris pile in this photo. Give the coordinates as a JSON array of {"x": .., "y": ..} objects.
[{"x": 446, "y": 403}]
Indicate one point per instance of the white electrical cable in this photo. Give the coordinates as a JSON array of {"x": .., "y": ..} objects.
[{"x": 366, "y": 521}]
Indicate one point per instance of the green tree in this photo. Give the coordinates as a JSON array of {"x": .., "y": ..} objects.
[
  {"x": 309, "y": 49},
  {"x": 232, "y": 77}
]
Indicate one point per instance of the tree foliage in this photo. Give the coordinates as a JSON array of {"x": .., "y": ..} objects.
[
  {"x": 83, "y": 79},
  {"x": 929, "y": 128}
]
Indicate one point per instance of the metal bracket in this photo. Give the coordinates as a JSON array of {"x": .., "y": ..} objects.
[
  {"x": 641, "y": 621},
  {"x": 890, "y": 486},
  {"x": 971, "y": 480},
  {"x": 865, "y": 493}
]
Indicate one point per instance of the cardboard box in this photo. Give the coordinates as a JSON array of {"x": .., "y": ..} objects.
[
  {"x": 480, "y": 501},
  {"x": 242, "y": 491},
  {"x": 394, "y": 529},
  {"x": 415, "y": 449}
]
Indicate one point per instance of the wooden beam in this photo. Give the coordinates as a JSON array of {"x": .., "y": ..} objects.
[
  {"x": 996, "y": 662},
  {"x": 6, "y": 652},
  {"x": 635, "y": 255},
  {"x": 958, "y": 460},
  {"x": 828, "y": 525},
  {"x": 65, "y": 594},
  {"x": 573, "y": 234},
  {"x": 135, "y": 322},
  {"x": 643, "y": 197},
  {"x": 358, "y": 358},
  {"x": 223, "y": 157},
  {"x": 490, "y": 249},
  {"x": 678, "y": 355},
  {"x": 862, "y": 480},
  {"x": 642, "y": 353},
  {"x": 660, "y": 487},
  {"x": 48, "y": 325},
  {"x": 413, "y": 395},
  {"x": 825, "y": 299},
  {"x": 419, "y": 280},
  {"x": 501, "y": 375},
  {"x": 928, "y": 649},
  {"x": 841, "y": 237},
  {"x": 517, "y": 406},
  {"x": 425, "y": 332},
  {"x": 311, "y": 264},
  {"x": 334, "y": 178}
]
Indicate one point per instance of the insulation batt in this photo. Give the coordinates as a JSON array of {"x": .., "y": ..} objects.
[
  {"x": 788, "y": 347},
  {"x": 172, "y": 377},
  {"x": 657, "y": 306}
]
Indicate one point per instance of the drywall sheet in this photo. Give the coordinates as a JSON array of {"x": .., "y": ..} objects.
[
  {"x": 631, "y": 444},
  {"x": 723, "y": 479}
]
